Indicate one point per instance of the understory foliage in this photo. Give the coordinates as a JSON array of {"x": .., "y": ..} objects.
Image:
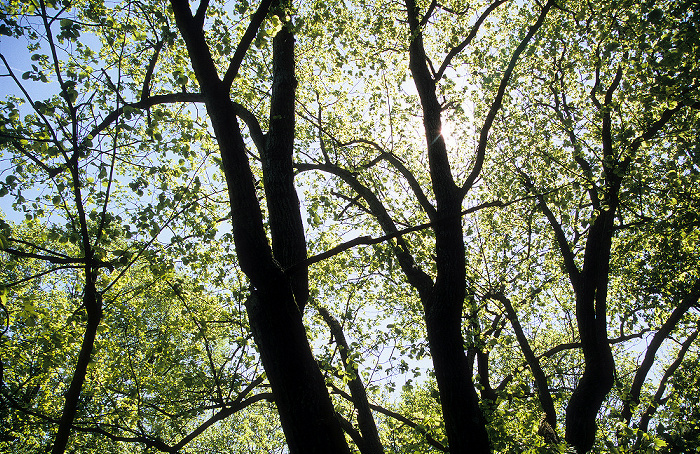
[{"x": 349, "y": 226}]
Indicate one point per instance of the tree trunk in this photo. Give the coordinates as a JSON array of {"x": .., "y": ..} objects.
[
  {"x": 464, "y": 422},
  {"x": 304, "y": 405},
  {"x": 93, "y": 306},
  {"x": 591, "y": 288},
  {"x": 305, "y": 409}
]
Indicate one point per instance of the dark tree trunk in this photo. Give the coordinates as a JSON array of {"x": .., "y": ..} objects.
[
  {"x": 306, "y": 411},
  {"x": 286, "y": 228},
  {"x": 464, "y": 422},
  {"x": 93, "y": 306},
  {"x": 591, "y": 288},
  {"x": 444, "y": 301},
  {"x": 591, "y": 283},
  {"x": 302, "y": 400}
]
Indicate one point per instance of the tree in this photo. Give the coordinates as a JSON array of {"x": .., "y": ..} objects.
[
  {"x": 601, "y": 117},
  {"x": 109, "y": 201}
]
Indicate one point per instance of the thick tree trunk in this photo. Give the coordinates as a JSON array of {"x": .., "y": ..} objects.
[
  {"x": 302, "y": 400},
  {"x": 464, "y": 422},
  {"x": 304, "y": 405},
  {"x": 286, "y": 227},
  {"x": 590, "y": 392},
  {"x": 591, "y": 287}
]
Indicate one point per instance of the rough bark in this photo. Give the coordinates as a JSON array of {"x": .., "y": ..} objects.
[{"x": 286, "y": 228}]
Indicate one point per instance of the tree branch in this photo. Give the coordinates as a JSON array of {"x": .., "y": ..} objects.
[
  {"x": 370, "y": 436},
  {"x": 399, "y": 417},
  {"x": 646, "y": 417},
  {"x": 256, "y": 21},
  {"x": 472, "y": 34},
  {"x": 661, "y": 335},
  {"x": 496, "y": 104},
  {"x": 534, "y": 363}
]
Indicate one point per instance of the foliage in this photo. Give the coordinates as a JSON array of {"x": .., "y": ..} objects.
[{"x": 126, "y": 287}]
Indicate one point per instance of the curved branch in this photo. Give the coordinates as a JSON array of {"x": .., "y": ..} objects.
[
  {"x": 369, "y": 440},
  {"x": 367, "y": 240},
  {"x": 144, "y": 104},
  {"x": 253, "y": 125},
  {"x": 417, "y": 277},
  {"x": 383, "y": 155},
  {"x": 572, "y": 345}
]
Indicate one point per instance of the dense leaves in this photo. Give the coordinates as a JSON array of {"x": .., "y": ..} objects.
[{"x": 409, "y": 226}]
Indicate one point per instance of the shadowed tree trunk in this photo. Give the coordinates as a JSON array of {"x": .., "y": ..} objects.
[
  {"x": 276, "y": 300},
  {"x": 444, "y": 301},
  {"x": 590, "y": 282}
]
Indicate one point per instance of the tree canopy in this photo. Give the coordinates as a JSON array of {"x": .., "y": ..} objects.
[{"x": 349, "y": 226}]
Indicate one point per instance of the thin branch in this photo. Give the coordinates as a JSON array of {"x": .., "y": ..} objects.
[
  {"x": 239, "y": 404},
  {"x": 26, "y": 243},
  {"x": 472, "y": 34},
  {"x": 428, "y": 13},
  {"x": 496, "y": 104},
  {"x": 146, "y": 89},
  {"x": 416, "y": 276},
  {"x": 572, "y": 345},
  {"x": 144, "y": 104},
  {"x": 253, "y": 125},
  {"x": 644, "y": 421},
  {"x": 399, "y": 417},
  {"x": 48, "y": 258},
  {"x": 661, "y": 335},
  {"x": 29, "y": 99},
  {"x": 256, "y": 21},
  {"x": 367, "y": 240},
  {"x": 43, "y": 273}
]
